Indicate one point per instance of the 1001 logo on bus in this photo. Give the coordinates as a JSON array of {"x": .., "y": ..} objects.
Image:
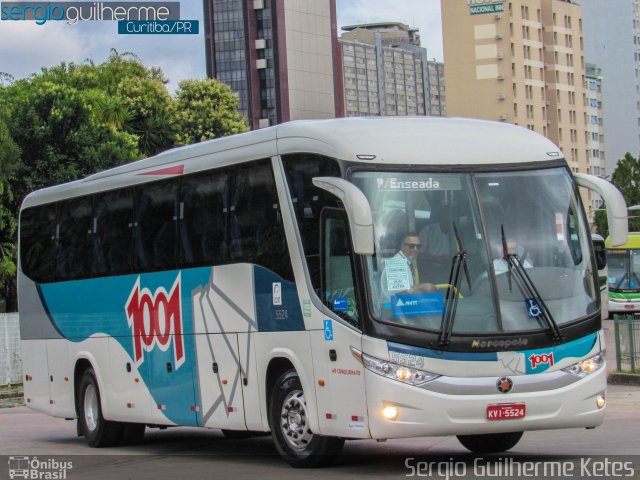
[{"x": 156, "y": 320}]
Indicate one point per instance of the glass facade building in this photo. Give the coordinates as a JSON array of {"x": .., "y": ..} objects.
[{"x": 278, "y": 56}]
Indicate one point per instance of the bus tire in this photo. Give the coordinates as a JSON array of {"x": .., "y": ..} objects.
[
  {"x": 490, "y": 443},
  {"x": 98, "y": 431},
  {"x": 293, "y": 438}
]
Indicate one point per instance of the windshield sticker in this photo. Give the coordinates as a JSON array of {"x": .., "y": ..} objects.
[
  {"x": 411, "y": 183},
  {"x": 560, "y": 227},
  {"x": 306, "y": 307},
  {"x": 340, "y": 304},
  {"x": 533, "y": 309},
  {"x": 277, "y": 293},
  {"x": 417, "y": 305},
  {"x": 613, "y": 279},
  {"x": 398, "y": 275}
]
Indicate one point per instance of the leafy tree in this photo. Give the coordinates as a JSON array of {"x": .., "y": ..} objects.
[
  {"x": 72, "y": 120},
  {"x": 52, "y": 123},
  {"x": 206, "y": 109},
  {"x": 151, "y": 115},
  {"x": 626, "y": 178},
  {"x": 9, "y": 157}
]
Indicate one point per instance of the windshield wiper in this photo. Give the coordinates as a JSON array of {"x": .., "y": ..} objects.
[
  {"x": 451, "y": 300},
  {"x": 528, "y": 288}
]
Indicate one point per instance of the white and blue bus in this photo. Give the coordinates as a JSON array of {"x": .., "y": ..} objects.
[
  {"x": 600, "y": 252},
  {"x": 253, "y": 284}
]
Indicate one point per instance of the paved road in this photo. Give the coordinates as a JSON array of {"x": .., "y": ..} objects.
[{"x": 194, "y": 453}]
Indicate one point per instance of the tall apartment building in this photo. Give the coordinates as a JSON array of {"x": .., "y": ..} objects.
[
  {"x": 612, "y": 41},
  {"x": 386, "y": 72},
  {"x": 519, "y": 61},
  {"x": 280, "y": 56},
  {"x": 595, "y": 128}
]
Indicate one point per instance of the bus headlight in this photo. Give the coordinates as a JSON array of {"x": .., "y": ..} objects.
[
  {"x": 391, "y": 370},
  {"x": 586, "y": 367}
]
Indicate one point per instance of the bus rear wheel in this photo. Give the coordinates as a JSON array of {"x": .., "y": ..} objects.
[
  {"x": 288, "y": 419},
  {"x": 490, "y": 443},
  {"x": 98, "y": 431}
]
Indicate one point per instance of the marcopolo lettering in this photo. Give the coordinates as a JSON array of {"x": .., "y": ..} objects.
[
  {"x": 508, "y": 343},
  {"x": 156, "y": 320}
]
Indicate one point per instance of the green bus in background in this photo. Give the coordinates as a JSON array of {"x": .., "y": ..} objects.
[{"x": 624, "y": 275}]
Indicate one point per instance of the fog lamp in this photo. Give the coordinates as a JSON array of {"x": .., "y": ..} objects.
[
  {"x": 601, "y": 401},
  {"x": 390, "y": 413}
]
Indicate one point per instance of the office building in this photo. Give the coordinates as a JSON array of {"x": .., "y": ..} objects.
[
  {"x": 595, "y": 130},
  {"x": 280, "y": 56},
  {"x": 519, "y": 61},
  {"x": 612, "y": 41},
  {"x": 386, "y": 72}
]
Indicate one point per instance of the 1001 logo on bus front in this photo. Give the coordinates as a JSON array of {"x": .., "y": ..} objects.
[{"x": 156, "y": 320}]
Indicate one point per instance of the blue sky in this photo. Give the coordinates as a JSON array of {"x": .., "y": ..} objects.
[{"x": 26, "y": 47}]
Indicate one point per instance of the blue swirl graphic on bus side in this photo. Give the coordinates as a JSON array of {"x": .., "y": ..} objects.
[{"x": 142, "y": 312}]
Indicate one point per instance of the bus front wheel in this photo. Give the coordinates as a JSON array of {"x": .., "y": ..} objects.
[
  {"x": 98, "y": 431},
  {"x": 289, "y": 422},
  {"x": 490, "y": 443}
]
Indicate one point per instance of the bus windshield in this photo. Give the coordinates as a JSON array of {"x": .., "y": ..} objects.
[
  {"x": 498, "y": 252},
  {"x": 624, "y": 270}
]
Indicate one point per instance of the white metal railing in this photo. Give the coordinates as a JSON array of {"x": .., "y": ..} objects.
[{"x": 10, "y": 359}]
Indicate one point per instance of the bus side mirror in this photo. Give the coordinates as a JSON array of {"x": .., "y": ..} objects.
[
  {"x": 358, "y": 211},
  {"x": 614, "y": 202}
]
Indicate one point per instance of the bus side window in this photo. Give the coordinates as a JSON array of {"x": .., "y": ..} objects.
[
  {"x": 203, "y": 205},
  {"x": 38, "y": 241},
  {"x": 573, "y": 239},
  {"x": 112, "y": 226},
  {"x": 155, "y": 226},
  {"x": 337, "y": 271},
  {"x": 308, "y": 202},
  {"x": 73, "y": 257},
  {"x": 600, "y": 253},
  {"x": 256, "y": 233}
]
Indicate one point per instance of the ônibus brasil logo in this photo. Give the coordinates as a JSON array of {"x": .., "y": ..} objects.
[{"x": 155, "y": 319}]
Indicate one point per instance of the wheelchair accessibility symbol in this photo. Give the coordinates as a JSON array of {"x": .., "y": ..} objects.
[
  {"x": 328, "y": 330},
  {"x": 533, "y": 309}
]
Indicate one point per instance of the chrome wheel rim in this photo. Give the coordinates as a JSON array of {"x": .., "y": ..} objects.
[
  {"x": 294, "y": 421},
  {"x": 91, "y": 407}
]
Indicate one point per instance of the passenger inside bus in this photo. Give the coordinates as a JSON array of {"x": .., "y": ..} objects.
[
  {"x": 438, "y": 245},
  {"x": 500, "y": 265}
]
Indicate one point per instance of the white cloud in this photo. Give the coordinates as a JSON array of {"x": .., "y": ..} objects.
[
  {"x": 423, "y": 14},
  {"x": 26, "y": 47}
]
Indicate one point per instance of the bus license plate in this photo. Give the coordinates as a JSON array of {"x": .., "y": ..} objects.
[{"x": 506, "y": 411}]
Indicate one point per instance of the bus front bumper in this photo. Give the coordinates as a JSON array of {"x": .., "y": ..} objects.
[
  {"x": 459, "y": 411},
  {"x": 624, "y": 306}
]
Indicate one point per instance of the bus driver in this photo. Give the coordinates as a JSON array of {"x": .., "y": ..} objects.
[{"x": 401, "y": 273}]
